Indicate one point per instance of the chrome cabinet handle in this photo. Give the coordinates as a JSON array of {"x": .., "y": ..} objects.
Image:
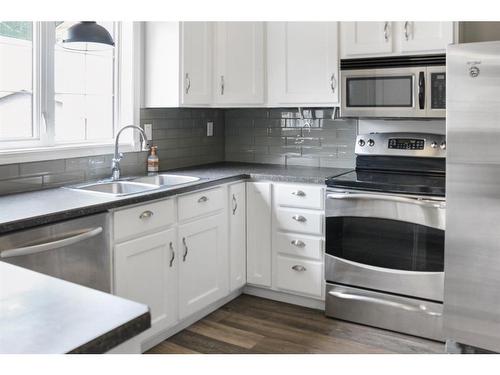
[
  {"x": 417, "y": 201},
  {"x": 222, "y": 85},
  {"x": 403, "y": 306},
  {"x": 34, "y": 249},
  {"x": 172, "y": 252},
  {"x": 299, "y": 193},
  {"x": 188, "y": 83},
  {"x": 202, "y": 199},
  {"x": 299, "y": 218},
  {"x": 185, "y": 249},
  {"x": 146, "y": 214},
  {"x": 333, "y": 83},
  {"x": 299, "y": 268},
  {"x": 407, "y": 35},
  {"x": 235, "y": 204},
  {"x": 298, "y": 243},
  {"x": 386, "y": 31}
]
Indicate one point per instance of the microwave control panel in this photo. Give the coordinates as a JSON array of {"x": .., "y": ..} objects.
[{"x": 438, "y": 90}]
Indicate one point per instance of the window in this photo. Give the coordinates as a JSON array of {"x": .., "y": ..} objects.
[{"x": 52, "y": 97}]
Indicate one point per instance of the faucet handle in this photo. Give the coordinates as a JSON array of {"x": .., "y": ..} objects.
[{"x": 120, "y": 157}]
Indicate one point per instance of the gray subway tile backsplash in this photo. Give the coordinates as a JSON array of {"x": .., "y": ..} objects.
[{"x": 260, "y": 135}]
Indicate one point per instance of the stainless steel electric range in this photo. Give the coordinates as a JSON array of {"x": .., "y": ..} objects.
[{"x": 384, "y": 261}]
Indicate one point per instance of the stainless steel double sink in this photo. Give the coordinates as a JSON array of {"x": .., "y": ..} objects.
[{"x": 135, "y": 185}]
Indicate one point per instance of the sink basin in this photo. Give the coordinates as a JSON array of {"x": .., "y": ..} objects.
[
  {"x": 166, "y": 179},
  {"x": 117, "y": 188}
]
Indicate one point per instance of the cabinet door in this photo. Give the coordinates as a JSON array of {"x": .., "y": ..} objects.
[
  {"x": 366, "y": 38},
  {"x": 196, "y": 63},
  {"x": 239, "y": 70},
  {"x": 425, "y": 36},
  {"x": 146, "y": 272},
  {"x": 259, "y": 233},
  {"x": 302, "y": 63},
  {"x": 237, "y": 236},
  {"x": 203, "y": 263}
]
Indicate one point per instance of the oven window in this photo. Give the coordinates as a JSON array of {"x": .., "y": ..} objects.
[
  {"x": 393, "y": 91},
  {"x": 386, "y": 243}
]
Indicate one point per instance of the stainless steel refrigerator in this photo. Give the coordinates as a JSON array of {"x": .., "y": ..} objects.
[{"x": 472, "y": 245}]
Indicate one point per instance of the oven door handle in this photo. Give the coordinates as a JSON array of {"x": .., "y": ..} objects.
[
  {"x": 378, "y": 301},
  {"x": 391, "y": 198}
]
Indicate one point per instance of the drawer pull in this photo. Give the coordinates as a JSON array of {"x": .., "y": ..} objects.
[
  {"x": 146, "y": 214},
  {"x": 299, "y": 218},
  {"x": 202, "y": 199},
  {"x": 298, "y": 243},
  {"x": 235, "y": 204},
  {"x": 299, "y": 193},
  {"x": 185, "y": 249},
  {"x": 299, "y": 268},
  {"x": 173, "y": 254}
]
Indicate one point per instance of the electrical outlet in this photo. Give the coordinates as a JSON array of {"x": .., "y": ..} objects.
[
  {"x": 148, "y": 129},
  {"x": 210, "y": 129}
]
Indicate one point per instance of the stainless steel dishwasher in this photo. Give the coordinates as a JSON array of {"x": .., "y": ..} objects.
[{"x": 75, "y": 250}]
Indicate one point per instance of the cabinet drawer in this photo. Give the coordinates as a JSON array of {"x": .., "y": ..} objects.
[
  {"x": 300, "y": 196},
  {"x": 140, "y": 219},
  {"x": 299, "y": 275},
  {"x": 200, "y": 203},
  {"x": 299, "y": 245},
  {"x": 300, "y": 221}
]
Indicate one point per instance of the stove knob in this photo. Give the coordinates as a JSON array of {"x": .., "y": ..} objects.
[
  {"x": 434, "y": 144},
  {"x": 361, "y": 142},
  {"x": 443, "y": 145},
  {"x": 371, "y": 142}
]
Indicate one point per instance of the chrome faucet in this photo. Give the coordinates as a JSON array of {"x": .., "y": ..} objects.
[{"x": 118, "y": 156}]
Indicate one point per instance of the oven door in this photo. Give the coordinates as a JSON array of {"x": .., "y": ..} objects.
[
  {"x": 386, "y": 242},
  {"x": 398, "y": 92}
]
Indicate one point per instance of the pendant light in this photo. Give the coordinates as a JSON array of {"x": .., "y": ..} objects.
[{"x": 87, "y": 36}]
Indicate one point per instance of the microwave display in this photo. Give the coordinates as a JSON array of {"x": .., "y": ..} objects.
[
  {"x": 389, "y": 91},
  {"x": 438, "y": 90}
]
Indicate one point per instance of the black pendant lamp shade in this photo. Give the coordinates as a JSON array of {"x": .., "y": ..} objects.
[{"x": 87, "y": 36}]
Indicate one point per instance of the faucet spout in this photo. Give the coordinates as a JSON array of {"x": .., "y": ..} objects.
[{"x": 118, "y": 156}]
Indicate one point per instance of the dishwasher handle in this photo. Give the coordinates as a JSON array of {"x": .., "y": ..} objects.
[{"x": 34, "y": 249}]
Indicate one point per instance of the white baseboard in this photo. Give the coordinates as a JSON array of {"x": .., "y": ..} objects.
[
  {"x": 284, "y": 297},
  {"x": 162, "y": 336}
]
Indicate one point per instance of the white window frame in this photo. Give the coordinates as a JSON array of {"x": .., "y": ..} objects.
[{"x": 127, "y": 87}]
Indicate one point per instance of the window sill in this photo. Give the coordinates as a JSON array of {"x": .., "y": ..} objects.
[{"x": 60, "y": 152}]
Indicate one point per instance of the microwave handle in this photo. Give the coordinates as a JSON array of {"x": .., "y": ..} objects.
[{"x": 421, "y": 90}]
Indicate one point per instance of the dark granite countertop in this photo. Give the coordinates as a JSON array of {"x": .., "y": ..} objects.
[
  {"x": 19, "y": 211},
  {"x": 42, "y": 314}
]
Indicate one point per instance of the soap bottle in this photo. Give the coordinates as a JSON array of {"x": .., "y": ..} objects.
[{"x": 153, "y": 160}]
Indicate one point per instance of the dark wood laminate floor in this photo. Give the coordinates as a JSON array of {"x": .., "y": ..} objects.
[{"x": 255, "y": 325}]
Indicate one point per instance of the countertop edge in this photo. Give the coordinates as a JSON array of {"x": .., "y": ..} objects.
[{"x": 115, "y": 337}]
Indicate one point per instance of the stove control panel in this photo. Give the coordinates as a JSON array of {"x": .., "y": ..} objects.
[{"x": 402, "y": 144}]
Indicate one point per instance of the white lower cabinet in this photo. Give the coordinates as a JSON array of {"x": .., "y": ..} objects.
[
  {"x": 259, "y": 230},
  {"x": 299, "y": 275},
  {"x": 237, "y": 236},
  {"x": 203, "y": 263},
  {"x": 146, "y": 272}
]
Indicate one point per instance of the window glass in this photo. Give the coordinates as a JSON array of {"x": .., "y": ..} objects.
[
  {"x": 16, "y": 81},
  {"x": 84, "y": 91}
]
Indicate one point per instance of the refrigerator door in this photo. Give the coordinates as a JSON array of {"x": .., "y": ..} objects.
[{"x": 472, "y": 244}]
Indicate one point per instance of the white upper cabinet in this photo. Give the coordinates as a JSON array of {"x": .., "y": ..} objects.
[
  {"x": 425, "y": 36},
  {"x": 302, "y": 63},
  {"x": 239, "y": 63},
  {"x": 366, "y": 38},
  {"x": 196, "y": 63}
]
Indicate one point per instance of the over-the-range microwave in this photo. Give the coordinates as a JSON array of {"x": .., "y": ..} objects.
[{"x": 394, "y": 87}]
